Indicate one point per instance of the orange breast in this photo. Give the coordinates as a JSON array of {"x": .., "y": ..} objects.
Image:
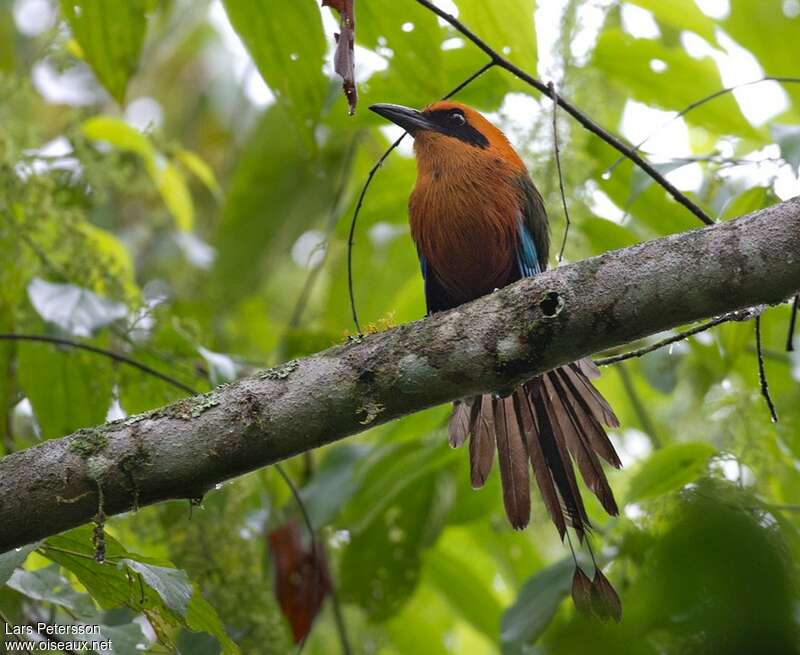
[{"x": 463, "y": 214}]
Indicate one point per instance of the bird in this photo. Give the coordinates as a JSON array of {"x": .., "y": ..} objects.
[{"x": 479, "y": 224}]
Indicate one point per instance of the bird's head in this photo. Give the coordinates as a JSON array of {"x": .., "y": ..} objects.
[{"x": 447, "y": 130}]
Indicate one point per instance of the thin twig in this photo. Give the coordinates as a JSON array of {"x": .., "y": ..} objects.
[
  {"x": 367, "y": 183},
  {"x": 762, "y": 373},
  {"x": 792, "y": 323},
  {"x": 724, "y": 318},
  {"x": 554, "y": 95},
  {"x": 338, "y": 617},
  {"x": 573, "y": 111},
  {"x": 350, "y": 236},
  {"x": 61, "y": 341},
  {"x": 700, "y": 102},
  {"x": 314, "y": 558}
]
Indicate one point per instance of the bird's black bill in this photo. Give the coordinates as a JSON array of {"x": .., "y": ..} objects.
[{"x": 409, "y": 119}]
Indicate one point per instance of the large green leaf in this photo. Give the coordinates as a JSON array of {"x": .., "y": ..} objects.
[
  {"x": 389, "y": 473},
  {"x": 681, "y": 15},
  {"x": 627, "y": 62},
  {"x": 467, "y": 590},
  {"x": 381, "y": 565},
  {"x": 535, "y": 606},
  {"x": 333, "y": 484},
  {"x": 758, "y": 27},
  {"x": 162, "y": 590},
  {"x": 271, "y": 201},
  {"x": 69, "y": 389},
  {"x": 506, "y": 25},
  {"x": 110, "y": 35},
  {"x": 12, "y": 559},
  {"x": 669, "y": 469},
  {"x": 49, "y": 586},
  {"x": 413, "y": 36},
  {"x": 287, "y": 44},
  {"x": 753, "y": 199},
  {"x": 171, "y": 584}
]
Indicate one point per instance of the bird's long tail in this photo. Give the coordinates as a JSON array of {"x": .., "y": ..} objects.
[{"x": 552, "y": 420}]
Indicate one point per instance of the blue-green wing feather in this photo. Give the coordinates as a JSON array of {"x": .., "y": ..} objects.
[{"x": 533, "y": 243}]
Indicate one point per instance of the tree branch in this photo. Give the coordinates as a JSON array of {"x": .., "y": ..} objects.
[{"x": 492, "y": 344}]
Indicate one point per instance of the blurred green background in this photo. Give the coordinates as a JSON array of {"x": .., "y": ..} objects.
[{"x": 176, "y": 183}]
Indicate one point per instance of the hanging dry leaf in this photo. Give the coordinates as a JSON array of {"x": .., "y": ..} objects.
[
  {"x": 344, "y": 62},
  {"x": 302, "y": 579},
  {"x": 582, "y": 591},
  {"x": 605, "y": 601}
]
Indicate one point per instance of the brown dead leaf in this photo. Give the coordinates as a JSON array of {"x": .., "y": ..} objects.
[
  {"x": 344, "y": 61},
  {"x": 302, "y": 579}
]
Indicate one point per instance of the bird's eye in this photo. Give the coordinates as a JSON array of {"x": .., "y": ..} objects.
[{"x": 457, "y": 118}]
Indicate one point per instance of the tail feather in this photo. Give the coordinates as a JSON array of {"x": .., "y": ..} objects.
[
  {"x": 541, "y": 471},
  {"x": 558, "y": 460},
  {"x": 551, "y": 420},
  {"x": 512, "y": 454},
  {"x": 598, "y": 406},
  {"x": 591, "y": 425},
  {"x": 482, "y": 443},
  {"x": 578, "y": 443},
  {"x": 462, "y": 422}
]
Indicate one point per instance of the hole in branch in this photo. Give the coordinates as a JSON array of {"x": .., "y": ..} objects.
[{"x": 552, "y": 304}]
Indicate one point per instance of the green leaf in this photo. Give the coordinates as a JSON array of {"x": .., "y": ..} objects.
[
  {"x": 122, "y": 136},
  {"x": 506, "y": 25},
  {"x": 163, "y": 589},
  {"x": 200, "y": 169},
  {"x": 108, "y": 585},
  {"x": 202, "y": 617},
  {"x": 110, "y": 35},
  {"x": 757, "y": 27},
  {"x": 466, "y": 592},
  {"x": 416, "y": 74},
  {"x": 606, "y": 235},
  {"x": 288, "y": 46},
  {"x": 12, "y": 559},
  {"x": 47, "y": 585},
  {"x": 172, "y": 186},
  {"x": 7, "y": 42},
  {"x": 171, "y": 584},
  {"x": 535, "y": 606},
  {"x": 68, "y": 389},
  {"x": 388, "y": 474},
  {"x": 641, "y": 179},
  {"x": 381, "y": 565},
  {"x": 788, "y": 139},
  {"x": 167, "y": 177},
  {"x": 626, "y": 62},
  {"x": 333, "y": 484},
  {"x": 260, "y": 218},
  {"x": 669, "y": 469},
  {"x": 748, "y": 201},
  {"x": 126, "y": 639},
  {"x": 681, "y": 15}
]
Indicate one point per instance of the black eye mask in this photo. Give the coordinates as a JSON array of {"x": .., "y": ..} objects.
[{"x": 446, "y": 124}]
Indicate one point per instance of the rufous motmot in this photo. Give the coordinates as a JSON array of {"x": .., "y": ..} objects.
[{"x": 479, "y": 224}]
